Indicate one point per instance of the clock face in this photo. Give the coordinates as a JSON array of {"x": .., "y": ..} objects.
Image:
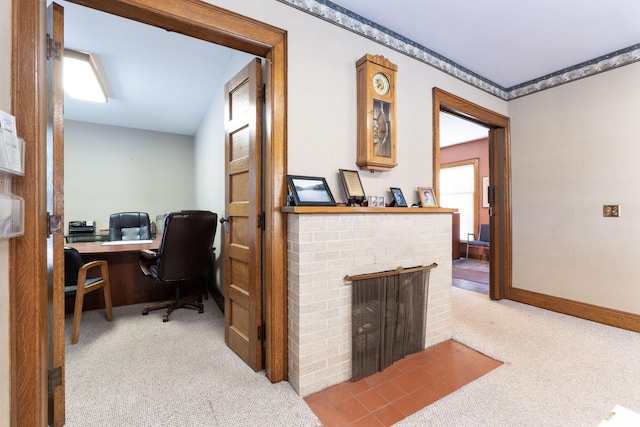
[{"x": 381, "y": 84}]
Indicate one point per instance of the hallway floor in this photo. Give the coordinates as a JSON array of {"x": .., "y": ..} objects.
[
  {"x": 402, "y": 389},
  {"x": 471, "y": 274}
]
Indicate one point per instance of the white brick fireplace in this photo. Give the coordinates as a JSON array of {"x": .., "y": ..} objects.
[{"x": 327, "y": 244}]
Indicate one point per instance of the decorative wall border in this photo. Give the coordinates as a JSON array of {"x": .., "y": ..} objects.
[{"x": 344, "y": 18}]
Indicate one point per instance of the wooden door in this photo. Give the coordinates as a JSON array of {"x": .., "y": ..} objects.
[
  {"x": 55, "y": 207},
  {"x": 242, "y": 225}
]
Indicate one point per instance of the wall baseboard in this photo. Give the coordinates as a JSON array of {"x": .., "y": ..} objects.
[{"x": 607, "y": 316}]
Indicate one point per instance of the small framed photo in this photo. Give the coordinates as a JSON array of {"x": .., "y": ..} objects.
[
  {"x": 427, "y": 198},
  {"x": 375, "y": 201},
  {"x": 352, "y": 187},
  {"x": 310, "y": 191},
  {"x": 398, "y": 198}
]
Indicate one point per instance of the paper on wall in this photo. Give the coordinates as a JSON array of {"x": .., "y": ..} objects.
[{"x": 11, "y": 147}]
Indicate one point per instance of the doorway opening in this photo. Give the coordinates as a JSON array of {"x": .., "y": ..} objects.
[
  {"x": 498, "y": 181},
  {"x": 464, "y": 168},
  {"x": 29, "y": 282}
]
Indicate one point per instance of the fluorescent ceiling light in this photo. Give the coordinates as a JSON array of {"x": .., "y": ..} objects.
[{"x": 81, "y": 79}]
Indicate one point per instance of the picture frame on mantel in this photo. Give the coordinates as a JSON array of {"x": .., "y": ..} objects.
[
  {"x": 352, "y": 185},
  {"x": 398, "y": 198},
  {"x": 310, "y": 191},
  {"x": 427, "y": 197}
]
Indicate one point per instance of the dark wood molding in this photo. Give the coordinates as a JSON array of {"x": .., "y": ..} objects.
[
  {"x": 501, "y": 249},
  {"x": 27, "y": 254},
  {"x": 275, "y": 196},
  {"x": 607, "y": 316}
]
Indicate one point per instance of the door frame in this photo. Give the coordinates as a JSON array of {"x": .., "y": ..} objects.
[
  {"x": 28, "y": 338},
  {"x": 501, "y": 257}
]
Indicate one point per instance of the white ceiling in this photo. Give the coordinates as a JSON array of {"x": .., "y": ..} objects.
[
  {"x": 155, "y": 79},
  {"x": 505, "y": 41},
  {"x": 509, "y": 41},
  {"x": 454, "y": 130}
]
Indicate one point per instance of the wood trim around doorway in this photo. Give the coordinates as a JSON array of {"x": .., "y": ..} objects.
[
  {"x": 501, "y": 265},
  {"x": 27, "y": 254}
]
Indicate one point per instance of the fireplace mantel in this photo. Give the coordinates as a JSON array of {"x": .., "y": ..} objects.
[
  {"x": 324, "y": 245},
  {"x": 363, "y": 210}
]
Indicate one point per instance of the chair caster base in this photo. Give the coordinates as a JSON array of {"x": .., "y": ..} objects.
[
  {"x": 165, "y": 318},
  {"x": 145, "y": 312},
  {"x": 201, "y": 310}
]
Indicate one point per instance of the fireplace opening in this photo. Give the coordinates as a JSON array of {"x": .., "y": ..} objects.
[{"x": 388, "y": 317}]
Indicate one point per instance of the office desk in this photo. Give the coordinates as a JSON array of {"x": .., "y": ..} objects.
[{"x": 128, "y": 284}]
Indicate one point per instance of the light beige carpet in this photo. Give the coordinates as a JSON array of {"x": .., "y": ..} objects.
[
  {"x": 138, "y": 371},
  {"x": 558, "y": 370}
]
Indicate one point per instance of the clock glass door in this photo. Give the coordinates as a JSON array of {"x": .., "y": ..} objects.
[{"x": 381, "y": 128}]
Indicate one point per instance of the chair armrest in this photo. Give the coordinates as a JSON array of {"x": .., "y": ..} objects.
[
  {"x": 471, "y": 234},
  {"x": 93, "y": 265},
  {"x": 146, "y": 259},
  {"x": 148, "y": 254}
]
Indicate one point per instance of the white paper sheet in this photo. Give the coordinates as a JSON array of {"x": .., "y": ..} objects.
[{"x": 127, "y": 242}]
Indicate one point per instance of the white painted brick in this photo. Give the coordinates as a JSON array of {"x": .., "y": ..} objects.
[
  {"x": 320, "y": 299},
  {"x": 326, "y": 256}
]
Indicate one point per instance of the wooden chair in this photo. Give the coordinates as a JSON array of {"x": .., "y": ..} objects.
[{"x": 77, "y": 283}]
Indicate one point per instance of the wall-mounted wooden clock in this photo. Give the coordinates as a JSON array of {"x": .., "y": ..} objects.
[{"x": 376, "y": 113}]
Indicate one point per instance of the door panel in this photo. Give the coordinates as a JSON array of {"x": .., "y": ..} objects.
[
  {"x": 55, "y": 206},
  {"x": 243, "y": 236}
]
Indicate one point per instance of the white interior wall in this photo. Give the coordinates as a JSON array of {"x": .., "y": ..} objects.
[
  {"x": 113, "y": 169},
  {"x": 573, "y": 150},
  {"x": 209, "y": 159},
  {"x": 5, "y": 105},
  {"x": 321, "y": 77}
]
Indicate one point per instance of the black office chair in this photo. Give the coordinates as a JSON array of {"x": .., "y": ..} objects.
[
  {"x": 77, "y": 283},
  {"x": 481, "y": 242},
  {"x": 129, "y": 226},
  {"x": 185, "y": 255}
]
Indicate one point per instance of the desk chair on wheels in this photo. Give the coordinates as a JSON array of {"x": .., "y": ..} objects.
[
  {"x": 77, "y": 283},
  {"x": 185, "y": 255},
  {"x": 129, "y": 226}
]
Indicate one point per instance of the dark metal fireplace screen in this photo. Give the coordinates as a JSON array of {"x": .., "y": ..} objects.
[{"x": 388, "y": 315}]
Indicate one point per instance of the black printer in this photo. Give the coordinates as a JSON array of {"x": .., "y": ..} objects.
[{"x": 82, "y": 227}]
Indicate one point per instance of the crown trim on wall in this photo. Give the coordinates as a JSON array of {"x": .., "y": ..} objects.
[{"x": 344, "y": 18}]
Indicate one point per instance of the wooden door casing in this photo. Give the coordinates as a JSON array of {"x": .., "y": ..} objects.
[
  {"x": 27, "y": 255},
  {"x": 55, "y": 205},
  {"x": 500, "y": 176}
]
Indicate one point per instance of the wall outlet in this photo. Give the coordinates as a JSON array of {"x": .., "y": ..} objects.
[{"x": 611, "y": 210}]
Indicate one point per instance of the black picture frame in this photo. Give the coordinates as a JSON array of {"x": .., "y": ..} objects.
[
  {"x": 310, "y": 191},
  {"x": 352, "y": 185},
  {"x": 398, "y": 198}
]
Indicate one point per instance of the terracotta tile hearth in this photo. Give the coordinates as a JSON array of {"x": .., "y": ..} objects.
[{"x": 402, "y": 389}]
